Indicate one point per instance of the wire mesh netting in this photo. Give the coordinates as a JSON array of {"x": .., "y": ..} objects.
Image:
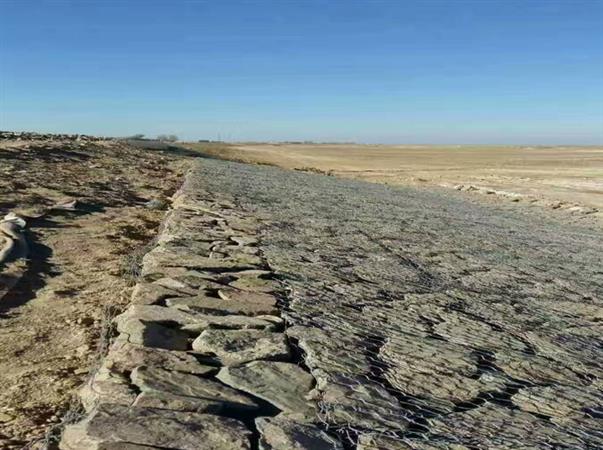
[{"x": 429, "y": 321}]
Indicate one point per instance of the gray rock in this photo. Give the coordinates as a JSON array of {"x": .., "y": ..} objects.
[
  {"x": 151, "y": 293},
  {"x": 106, "y": 386},
  {"x": 125, "y": 357},
  {"x": 165, "y": 386},
  {"x": 285, "y": 385},
  {"x": 110, "y": 425},
  {"x": 250, "y": 304},
  {"x": 558, "y": 401},
  {"x": 277, "y": 433},
  {"x": 489, "y": 425},
  {"x": 254, "y": 284},
  {"x": 175, "y": 285},
  {"x": 153, "y": 334},
  {"x": 156, "y": 313},
  {"x": 376, "y": 441},
  {"x": 232, "y": 322},
  {"x": 234, "y": 347},
  {"x": 159, "y": 258}
]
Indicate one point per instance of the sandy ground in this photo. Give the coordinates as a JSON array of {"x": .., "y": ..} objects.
[
  {"x": 80, "y": 269},
  {"x": 563, "y": 178}
]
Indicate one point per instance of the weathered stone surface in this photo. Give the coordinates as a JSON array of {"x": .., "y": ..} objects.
[
  {"x": 254, "y": 284},
  {"x": 278, "y": 433},
  {"x": 490, "y": 426},
  {"x": 233, "y": 322},
  {"x": 192, "y": 320},
  {"x": 152, "y": 334},
  {"x": 150, "y": 294},
  {"x": 234, "y": 347},
  {"x": 109, "y": 425},
  {"x": 252, "y": 305},
  {"x": 440, "y": 371},
  {"x": 125, "y": 446},
  {"x": 163, "y": 383},
  {"x": 381, "y": 411},
  {"x": 559, "y": 401},
  {"x": 106, "y": 386},
  {"x": 287, "y": 386},
  {"x": 175, "y": 285},
  {"x": 162, "y": 400},
  {"x": 125, "y": 357},
  {"x": 536, "y": 369},
  {"x": 156, "y": 313},
  {"x": 375, "y": 441},
  {"x": 158, "y": 260}
]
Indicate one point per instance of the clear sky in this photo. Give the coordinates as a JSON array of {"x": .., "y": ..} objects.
[{"x": 408, "y": 71}]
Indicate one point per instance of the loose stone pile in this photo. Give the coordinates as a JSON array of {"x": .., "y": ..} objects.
[
  {"x": 201, "y": 360},
  {"x": 31, "y": 136}
]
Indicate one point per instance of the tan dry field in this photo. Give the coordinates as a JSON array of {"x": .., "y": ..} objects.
[{"x": 564, "y": 178}]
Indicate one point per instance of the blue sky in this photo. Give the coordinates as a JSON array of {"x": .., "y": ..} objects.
[{"x": 430, "y": 71}]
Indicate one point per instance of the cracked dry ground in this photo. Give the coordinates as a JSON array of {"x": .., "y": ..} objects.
[{"x": 430, "y": 321}]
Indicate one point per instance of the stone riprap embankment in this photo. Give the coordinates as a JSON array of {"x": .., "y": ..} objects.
[
  {"x": 430, "y": 321},
  {"x": 201, "y": 359}
]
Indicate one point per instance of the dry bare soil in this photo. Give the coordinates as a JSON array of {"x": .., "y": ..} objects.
[
  {"x": 80, "y": 268},
  {"x": 568, "y": 179}
]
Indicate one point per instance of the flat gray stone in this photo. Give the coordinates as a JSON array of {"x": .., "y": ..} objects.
[
  {"x": 109, "y": 425},
  {"x": 232, "y": 322},
  {"x": 277, "y": 433},
  {"x": 246, "y": 304},
  {"x": 106, "y": 386},
  {"x": 233, "y": 347},
  {"x": 175, "y": 285},
  {"x": 193, "y": 321},
  {"x": 151, "y": 293},
  {"x": 156, "y": 313},
  {"x": 158, "y": 260},
  {"x": 255, "y": 284},
  {"x": 173, "y": 402},
  {"x": 285, "y": 385},
  {"x": 162, "y": 383},
  {"x": 152, "y": 334},
  {"x": 125, "y": 357}
]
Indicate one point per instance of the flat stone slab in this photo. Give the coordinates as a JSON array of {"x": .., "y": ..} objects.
[
  {"x": 125, "y": 357},
  {"x": 156, "y": 261},
  {"x": 156, "y": 313},
  {"x": 191, "y": 320},
  {"x": 164, "y": 386},
  {"x": 232, "y": 322},
  {"x": 254, "y": 284},
  {"x": 233, "y": 347},
  {"x": 152, "y": 334},
  {"x": 285, "y": 385},
  {"x": 150, "y": 293},
  {"x": 106, "y": 386},
  {"x": 489, "y": 425},
  {"x": 277, "y": 433},
  {"x": 249, "y": 304},
  {"x": 110, "y": 426}
]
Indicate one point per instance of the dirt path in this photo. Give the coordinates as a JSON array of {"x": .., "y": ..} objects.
[
  {"x": 81, "y": 264},
  {"x": 431, "y": 320}
]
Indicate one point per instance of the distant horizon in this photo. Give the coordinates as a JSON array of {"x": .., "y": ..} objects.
[
  {"x": 505, "y": 72},
  {"x": 310, "y": 142}
]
